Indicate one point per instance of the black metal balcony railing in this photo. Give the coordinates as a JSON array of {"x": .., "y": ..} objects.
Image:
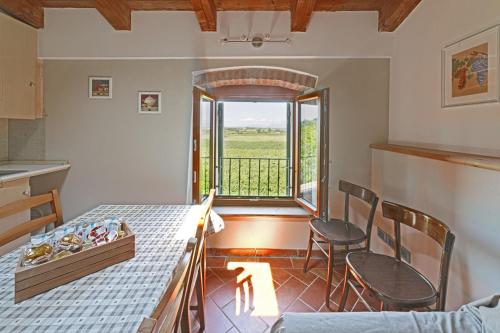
[
  {"x": 308, "y": 177},
  {"x": 255, "y": 177},
  {"x": 249, "y": 177}
]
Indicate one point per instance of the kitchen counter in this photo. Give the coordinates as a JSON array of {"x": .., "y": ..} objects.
[{"x": 30, "y": 169}]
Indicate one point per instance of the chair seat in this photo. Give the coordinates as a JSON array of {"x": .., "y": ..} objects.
[
  {"x": 393, "y": 281},
  {"x": 337, "y": 231}
]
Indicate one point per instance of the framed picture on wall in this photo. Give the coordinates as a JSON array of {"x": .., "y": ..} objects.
[
  {"x": 471, "y": 69},
  {"x": 149, "y": 102},
  {"x": 100, "y": 87}
]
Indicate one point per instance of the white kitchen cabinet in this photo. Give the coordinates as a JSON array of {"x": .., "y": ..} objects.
[
  {"x": 18, "y": 70},
  {"x": 9, "y": 192}
]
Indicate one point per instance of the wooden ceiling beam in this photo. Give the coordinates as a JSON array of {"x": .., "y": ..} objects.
[
  {"x": 393, "y": 12},
  {"x": 183, "y": 5},
  {"x": 27, "y": 11},
  {"x": 226, "y": 5},
  {"x": 235, "y": 5},
  {"x": 259, "y": 5},
  {"x": 206, "y": 13},
  {"x": 347, "y": 5},
  {"x": 116, "y": 12},
  {"x": 301, "y": 12},
  {"x": 68, "y": 3}
]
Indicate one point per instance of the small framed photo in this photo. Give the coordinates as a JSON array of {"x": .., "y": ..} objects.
[
  {"x": 149, "y": 102},
  {"x": 470, "y": 69},
  {"x": 100, "y": 87}
]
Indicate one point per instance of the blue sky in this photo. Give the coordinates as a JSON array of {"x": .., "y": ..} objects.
[{"x": 250, "y": 114}]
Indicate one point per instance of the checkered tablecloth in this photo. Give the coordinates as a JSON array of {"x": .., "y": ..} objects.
[{"x": 117, "y": 298}]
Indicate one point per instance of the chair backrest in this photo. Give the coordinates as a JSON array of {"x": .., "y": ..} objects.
[
  {"x": 431, "y": 227},
  {"x": 33, "y": 225},
  {"x": 365, "y": 195},
  {"x": 201, "y": 230},
  {"x": 165, "y": 317},
  {"x": 198, "y": 260},
  {"x": 172, "y": 313}
]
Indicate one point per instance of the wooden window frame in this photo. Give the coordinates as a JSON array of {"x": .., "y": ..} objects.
[
  {"x": 294, "y": 200},
  {"x": 322, "y": 159},
  {"x": 198, "y": 95}
]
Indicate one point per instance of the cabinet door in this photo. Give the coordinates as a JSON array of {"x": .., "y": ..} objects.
[
  {"x": 10, "y": 192},
  {"x": 39, "y": 90},
  {"x": 18, "y": 56}
]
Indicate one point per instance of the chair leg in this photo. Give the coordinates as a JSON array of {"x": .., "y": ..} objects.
[
  {"x": 383, "y": 307},
  {"x": 200, "y": 298},
  {"x": 329, "y": 275},
  {"x": 345, "y": 290},
  {"x": 204, "y": 267},
  {"x": 185, "y": 326},
  {"x": 309, "y": 250}
]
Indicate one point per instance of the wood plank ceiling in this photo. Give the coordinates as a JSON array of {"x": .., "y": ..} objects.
[{"x": 118, "y": 12}]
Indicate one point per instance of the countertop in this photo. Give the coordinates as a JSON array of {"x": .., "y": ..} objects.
[{"x": 31, "y": 168}]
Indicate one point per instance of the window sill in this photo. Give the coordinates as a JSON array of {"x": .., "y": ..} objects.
[
  {"x": 223, "y": 201},
  {"x": 260, "y": 212}
]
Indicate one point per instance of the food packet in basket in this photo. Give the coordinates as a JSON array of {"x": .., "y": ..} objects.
[
  {"x": 96, "y": 232},
  {"x": 111, "y": 236},
  {"x": 40, "y": 250},
  {"x": 113, "y": 223},
  {"x": 69, "y": 242},
  {"x": 84, "y": 228}
]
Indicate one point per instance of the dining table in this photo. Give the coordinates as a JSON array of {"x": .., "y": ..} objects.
[{"x": 117, "y": 298}]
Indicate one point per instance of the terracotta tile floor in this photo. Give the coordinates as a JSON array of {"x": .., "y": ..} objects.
[{"x": 248, "y": 294}]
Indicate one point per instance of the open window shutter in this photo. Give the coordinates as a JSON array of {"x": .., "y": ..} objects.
[
  {"x": 203, "y": 144},
  {"x": 311, "y": 152}
]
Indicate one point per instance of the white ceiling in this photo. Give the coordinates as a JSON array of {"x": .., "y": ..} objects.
[{"x": 83, "y": 33}]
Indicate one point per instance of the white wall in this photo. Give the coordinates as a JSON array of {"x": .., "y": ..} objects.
[
  {"x": 261, "y": 233},
  {"x": 84, "y": 33},
  {"x": 120, "y": 156},
  {"x": 416, "y": 114},
  {"x": 465, "y": 198}
]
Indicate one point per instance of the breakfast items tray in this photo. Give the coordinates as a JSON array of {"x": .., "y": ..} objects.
[{"x": 69, "y": 253}]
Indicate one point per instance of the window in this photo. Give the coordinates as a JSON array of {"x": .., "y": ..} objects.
[{"x": 254, "y": 149}]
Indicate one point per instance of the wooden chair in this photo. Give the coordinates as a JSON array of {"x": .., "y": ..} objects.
[
  {"x": 33, "y": 225},
  {"x": 167, "y": 315},
  {"x": 341, "y": 232},
  {"x": 198, "y": 273},
  {"x": 395, "y": 283},
  {"x": 172, "y": 313}
]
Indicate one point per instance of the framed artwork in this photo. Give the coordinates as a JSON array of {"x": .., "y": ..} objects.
[
  {"x": 470, "y": 69},
  {"x": 149, "y": 102},
  {"x": 100, "y": 87}
]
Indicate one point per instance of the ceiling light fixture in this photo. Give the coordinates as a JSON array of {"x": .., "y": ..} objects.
[{"x": 257, "y": 41}]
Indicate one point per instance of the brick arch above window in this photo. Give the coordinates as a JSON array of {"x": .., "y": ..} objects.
[{"x": 255, "y": 76}]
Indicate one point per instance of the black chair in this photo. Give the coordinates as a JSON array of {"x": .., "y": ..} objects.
[
  {"x": 395, "y": 283},
  {"x": 341, "y": 232}
]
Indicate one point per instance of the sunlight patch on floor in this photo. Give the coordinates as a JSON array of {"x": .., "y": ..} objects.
[{"x": 255, "y": 288}]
